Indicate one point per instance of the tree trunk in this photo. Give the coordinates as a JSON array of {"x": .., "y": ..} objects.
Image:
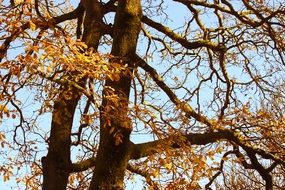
[
  {"x": 57, "y": 163},
  {"x": 114, "y": 148}
]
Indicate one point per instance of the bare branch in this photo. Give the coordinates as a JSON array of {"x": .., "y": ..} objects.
[
  {"x": 184, "y": 106},
  {"x": 184, "y": 42}
]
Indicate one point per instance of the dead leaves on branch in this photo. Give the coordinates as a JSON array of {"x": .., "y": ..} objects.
[
  {"x": 46, "y": 64},
  {"x": 54, "y": 61}
]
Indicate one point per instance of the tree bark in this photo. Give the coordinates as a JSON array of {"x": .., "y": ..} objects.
[
  {"x": 57, "y": 163},
  {"x": 114, "y": 149}
]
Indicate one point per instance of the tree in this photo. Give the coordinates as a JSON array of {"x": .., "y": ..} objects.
[{"x": 129, "y": 88}]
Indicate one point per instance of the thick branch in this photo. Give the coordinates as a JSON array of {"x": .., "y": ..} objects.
[
  {"x": 261, "y": 170},
  {"x": 176, "y": 141},
  {"x": 109, "y": 6},
  {"x": 68, "y": 16},
  {"x": 83, "y": 165}
]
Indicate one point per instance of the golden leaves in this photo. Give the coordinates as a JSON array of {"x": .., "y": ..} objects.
[
  {"x": 7, "y": 176},
  {"x": 6, "y": 172},
  {"x": 18, "y": 2},
  {"x": 32, "y": 25},
  {"x": 5, "y": 111},
  {"x": 2, "y": 139}
]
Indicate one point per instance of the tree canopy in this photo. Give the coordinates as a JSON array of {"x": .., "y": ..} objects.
[{"x": 178, "y": 94}]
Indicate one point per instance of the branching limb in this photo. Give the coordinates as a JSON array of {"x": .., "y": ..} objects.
[
  {"x": 228, "y": 83},
  {"x": 177, "y": 141},
  {"x": 260, "y": 169},
  {"x": 184, "y": 42},
  {"x": 185, "y": 107}
]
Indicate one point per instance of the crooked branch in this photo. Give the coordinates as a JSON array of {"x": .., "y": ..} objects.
[{"x": 184, "y": 42}]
